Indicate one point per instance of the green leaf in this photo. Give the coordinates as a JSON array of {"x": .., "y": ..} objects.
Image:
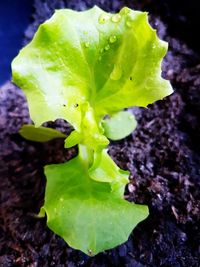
[
  {"x": 104, "y": 169},
  {"x": 39, "y": 134},
  {"x": 86, "y": 213},
  {"x": 90, "y": 135},
  {"x": 119, "y": 125},
  {"x": 91, "y": 64},
  {"x": 73, "y": 139}
]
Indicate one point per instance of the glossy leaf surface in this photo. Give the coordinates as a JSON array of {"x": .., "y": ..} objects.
[
  {"x": 89, "y": 64},
  {"x": 86, "y": 213}
]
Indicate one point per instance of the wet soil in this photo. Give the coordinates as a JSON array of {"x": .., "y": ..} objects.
[{"x": 163, "y": 156}]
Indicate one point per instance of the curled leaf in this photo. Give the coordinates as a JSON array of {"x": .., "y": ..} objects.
[
  {"x": 104, "y": 169},
  {"x": 87, "y": 214},
  {"x": 91, "y": 64}
]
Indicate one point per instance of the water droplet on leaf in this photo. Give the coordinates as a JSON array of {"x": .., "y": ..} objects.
[
  {"x": 103, "y": 18},
  {"x": 116, "y": 73},
  {"x": 107, "y": 47},
  {"x": 96, "y": 136},
  {"x": 87, "y": 44},
  {"x": 129, "y": 23},
  {"x": 116, "y": 18},
  {"x": 149, "y": 84},
  {"x": 113, "y": 39},
  {"x": 125, "y": 11}
]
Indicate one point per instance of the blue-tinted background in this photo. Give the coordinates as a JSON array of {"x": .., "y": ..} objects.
[{"x": 15, "y": 15}]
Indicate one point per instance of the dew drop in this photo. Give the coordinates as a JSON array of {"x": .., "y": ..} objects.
[
  {"x": 107, "y": 47},
  {"x": 61, "y": 199},
  {"x": 116, "y": 18},
  {"x": 125, "y": 11},
  {"x": 129, "y": 23},
  {"x": 99, "y": 59},
  {"x": 87, "y": 44},
  {"x": 116, "y": 73},
  {"x": 103, "y": 18},
  {"x": 113, "y": 39},
  {"x": 148, "y": 84}
]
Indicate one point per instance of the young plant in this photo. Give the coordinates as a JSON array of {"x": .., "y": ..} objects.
[{"x": 86, "y": 67}]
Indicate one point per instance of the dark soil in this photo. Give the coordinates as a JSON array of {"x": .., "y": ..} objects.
[{"x": 163, "y": 155}]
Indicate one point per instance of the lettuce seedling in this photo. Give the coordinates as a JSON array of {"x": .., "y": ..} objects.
[{"x": 86, "y": 67}]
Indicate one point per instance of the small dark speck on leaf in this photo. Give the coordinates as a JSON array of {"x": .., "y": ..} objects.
[
  {"x": 131, "y": 78},
  {"x": 64, "y": 105},
  {"x": 75, "y": 105},
  {"x": 90, "y": 253}
]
